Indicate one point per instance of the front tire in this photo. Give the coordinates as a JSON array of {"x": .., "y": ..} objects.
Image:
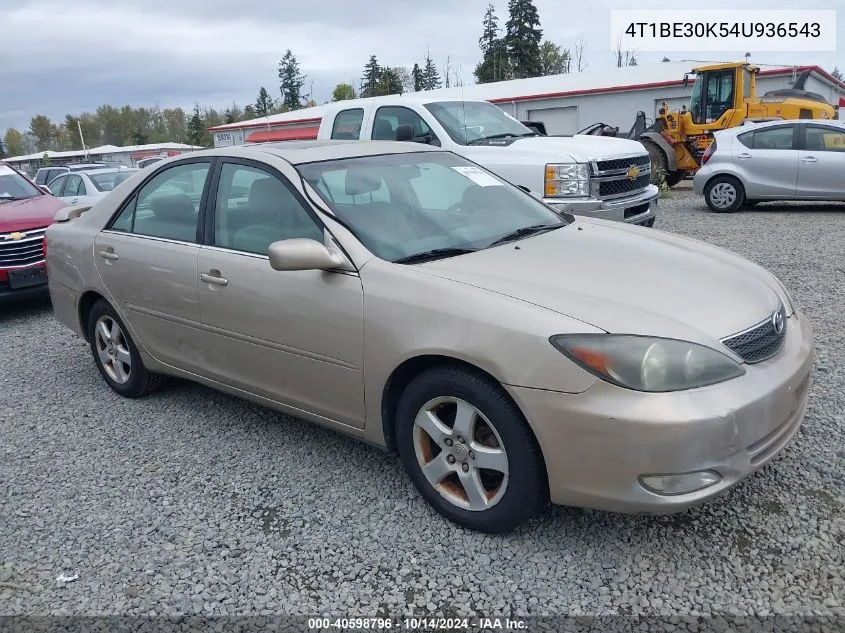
[
  {"x": 469, "y": 451},
  {"x": 116, "y": 356},
  {"x": 724, "y": 194},
  {"x": 659, "y": 163}
]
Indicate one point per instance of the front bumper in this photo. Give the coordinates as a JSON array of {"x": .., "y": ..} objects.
[
  {"x": 598, "y": 443},
  {"x": 637, "y": 209},
  {"x": 9, "y": 295}
]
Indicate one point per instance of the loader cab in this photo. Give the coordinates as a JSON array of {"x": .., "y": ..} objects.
[{"x": 720, "y": 90}]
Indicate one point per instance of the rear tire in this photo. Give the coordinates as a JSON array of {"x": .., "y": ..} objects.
[
  {"x": 449, "y": 422},
  {"x": 116, "y": 356},
  {"x": 724, "y": 194},
  {"x": 659, "y": 163}
]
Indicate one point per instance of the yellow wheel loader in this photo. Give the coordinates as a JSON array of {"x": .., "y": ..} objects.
[{"x": 723, "y": 96}]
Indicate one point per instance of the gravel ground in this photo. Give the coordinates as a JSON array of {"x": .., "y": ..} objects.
[{"x": 192, "y": 502}]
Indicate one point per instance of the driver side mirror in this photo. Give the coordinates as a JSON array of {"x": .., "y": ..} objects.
[
  {"x": 301, "y": 254},
  {"x": 45, "y": 189}
]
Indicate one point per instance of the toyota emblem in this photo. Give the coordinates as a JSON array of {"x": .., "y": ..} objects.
[{"x": 777, "y": 322}]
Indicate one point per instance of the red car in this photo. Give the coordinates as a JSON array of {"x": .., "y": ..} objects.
[{"x": 25, "y": 212}]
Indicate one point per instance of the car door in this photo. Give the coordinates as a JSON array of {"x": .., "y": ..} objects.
[
  {"x": 73, "y": 186},
  {"x": 767, "y": 160},
  {"x": 295, "y": 337},
  {"x": 147, "y": 259},
  {"x": 821, "y": 162}
]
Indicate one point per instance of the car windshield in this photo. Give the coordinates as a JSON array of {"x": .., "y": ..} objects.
[
  {"x": 13, "y": 186},
  {"x": 106, "y": 181},
  {"x": 411, "y": 206},
  {"x": 469, "y": 122}
]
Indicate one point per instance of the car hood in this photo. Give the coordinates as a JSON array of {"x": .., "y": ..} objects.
[
  {"x": 624, "y": 280},
  {"x": 32, "y": 213},
  {"x": 541, "y": 149}
]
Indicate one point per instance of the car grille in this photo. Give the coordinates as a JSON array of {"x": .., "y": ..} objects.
[
  {"x": 759, "y": 342},
  {"x": 618, "y": 187},
  {"x": 21, "y": 251},
  {"x": 622, "y": 163}
]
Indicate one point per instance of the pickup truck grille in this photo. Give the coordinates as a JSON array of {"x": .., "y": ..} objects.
[
  {"x": 761, "y": 341},
  {"x": 622, "y": 163},
  {"x": 21, "y": 251},
  {"x": 618, "y": 187},
  {"x": 611, "y": 178}
]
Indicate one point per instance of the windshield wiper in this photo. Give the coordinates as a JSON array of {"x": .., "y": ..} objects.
[
  {"x": 525, "y": 231},
  {"x": 492, "y": 137},
  {"x": 436, "y": 253},
  {"x": 8, "y": 196}
]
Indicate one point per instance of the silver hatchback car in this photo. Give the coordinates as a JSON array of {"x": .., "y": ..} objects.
[{"x": 775, "y": 160}]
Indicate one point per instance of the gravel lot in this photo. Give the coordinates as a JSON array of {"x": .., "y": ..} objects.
[{"x": 192, "y": 502}]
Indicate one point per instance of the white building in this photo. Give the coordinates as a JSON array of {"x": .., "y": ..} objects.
[
  {"x": 126, "y": 156},
  {"x": 565, "y": 103}
]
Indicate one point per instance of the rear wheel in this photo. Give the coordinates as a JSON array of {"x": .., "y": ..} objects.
[
  {"x": 116, "y": 356},
  {"x": 660, "y": 164},
  {"x": 469, "y": 451},
  {"x": 724, "y": 194}
]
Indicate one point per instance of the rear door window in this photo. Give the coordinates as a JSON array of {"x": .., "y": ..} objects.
[
  {"x": 347, "y": 124},
  {"x": 57, "y": 185}
]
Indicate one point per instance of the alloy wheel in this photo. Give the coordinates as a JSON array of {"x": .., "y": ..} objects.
[
  {"x": 113, "y": 349},
  {"x": 460, "y": 453}
]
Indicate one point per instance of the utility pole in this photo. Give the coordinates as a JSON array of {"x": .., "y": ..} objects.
[{"x": 82, "y": 140}]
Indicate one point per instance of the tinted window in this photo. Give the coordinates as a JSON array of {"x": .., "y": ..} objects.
[
  {"x": 168, "y": 205},
  {"x": 773, "y": 138},
  {"x": 347, "y": 124},
  {"x": 391, "y": 117},
  {"x": 433, "y": 200},
  {"x": 746, "y": 139},
  {"x": 825, "y": 139},
  {"x": 74, "y": 183},
  {"x": 255, "y": 208},
  {"x": 41, "y": 177},
  {"x": 57, "y": 184}
]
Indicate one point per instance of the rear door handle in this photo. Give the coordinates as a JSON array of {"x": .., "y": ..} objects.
[
  {"x": 809, "y": 159},
  {"x": 74, "y": 201},
  {"x": 213, "y": 277},
  {"x": 744, "y": 155},
  {"x": 109, "y": 254}
]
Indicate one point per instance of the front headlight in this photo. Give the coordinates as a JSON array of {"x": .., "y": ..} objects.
[
  {"x": 646, "y": 363},
  {"x": 567, "y": 181}
]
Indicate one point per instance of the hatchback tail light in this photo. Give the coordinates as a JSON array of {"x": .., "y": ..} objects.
[{"x": 708, "y": 152}]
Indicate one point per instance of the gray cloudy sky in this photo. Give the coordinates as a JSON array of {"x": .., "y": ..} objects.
[{"x": 62, "y": 56}]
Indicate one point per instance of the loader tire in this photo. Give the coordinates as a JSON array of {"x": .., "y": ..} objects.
[{"x": 659, "y": 163}]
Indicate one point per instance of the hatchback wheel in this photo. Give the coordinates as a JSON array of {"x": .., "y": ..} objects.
[
  {"x": 469, "y": 451},
  {"x": 724, "y": 194},
  {"x": 116, "y": 356}
]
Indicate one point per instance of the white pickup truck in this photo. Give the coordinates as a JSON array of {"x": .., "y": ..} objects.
[{"x": 596, "y": 176}]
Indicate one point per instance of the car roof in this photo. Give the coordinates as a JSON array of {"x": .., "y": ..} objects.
[
  {"x": 299, "y": 152},
  {"x": 106, "y": 170}
]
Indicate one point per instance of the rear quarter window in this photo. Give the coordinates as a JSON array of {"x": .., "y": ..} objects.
[{"x": 746, "y": 139}]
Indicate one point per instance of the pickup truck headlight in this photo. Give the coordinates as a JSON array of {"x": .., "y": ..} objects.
[
  {"x": 646, "y": 363},
  {"x": 567, "y": 181}
]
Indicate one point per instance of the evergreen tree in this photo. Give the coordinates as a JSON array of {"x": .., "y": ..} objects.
[
  {"x": 417, "y": 75},
  {"x": 523, "y": 38},
  {"x": 370, "y": 80},
  {"x": 489, "y": 30},
  {"x": 264, "y": 103},
  {"x": 836, "y": 74},
  {"x": 290, "y": 81},
  {"x": 389, "y": 83},
  {"x": 2, "y": 149},
  {"x": 196, "y": 128},
  {"x": 430, "y": 75}
]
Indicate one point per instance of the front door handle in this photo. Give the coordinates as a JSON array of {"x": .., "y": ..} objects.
[
  {"x": 809, "y": 159},
  {"x": 109, "y": 254},
  {"x": 213, "y": 277},
  {"x": 74, "y": 201}
]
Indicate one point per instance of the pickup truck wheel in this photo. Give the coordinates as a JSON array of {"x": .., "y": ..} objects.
[
  {"x": 116, "y": 356},
  {"x": 724, "y": 194},
  {"x": 469, "y": 451}
]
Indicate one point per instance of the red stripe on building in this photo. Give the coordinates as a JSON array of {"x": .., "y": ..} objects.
[{"x": 289, "y": 134}]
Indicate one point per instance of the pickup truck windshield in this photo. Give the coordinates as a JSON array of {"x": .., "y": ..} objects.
[
  {"x": 468, "y": 122},
  {"x": 13, "y": 186},
  {"x": 416, "y": 206}
]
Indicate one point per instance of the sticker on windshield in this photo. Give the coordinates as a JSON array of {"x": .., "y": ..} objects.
[{"x": 479, "y": 177}]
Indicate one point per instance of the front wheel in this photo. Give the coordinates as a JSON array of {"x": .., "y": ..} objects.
[
  {"x": 724, "y": 194},
  {"x": 469, "y": 451}
]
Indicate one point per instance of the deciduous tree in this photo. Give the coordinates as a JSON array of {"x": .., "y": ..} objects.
[
  {"x": 15, "y": 143},
  {"x": 343, "y": 92}
]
